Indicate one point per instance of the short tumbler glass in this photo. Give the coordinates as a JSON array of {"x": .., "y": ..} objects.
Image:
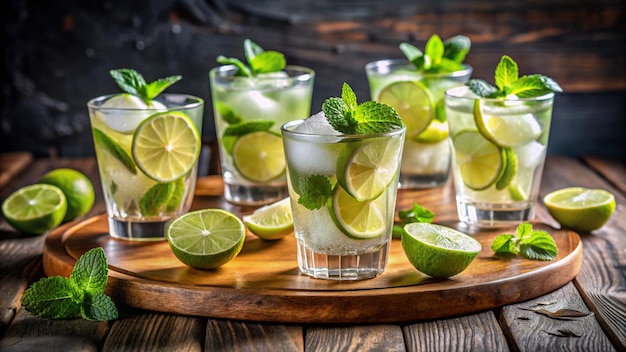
[
  {"x": 248, "y": 114},
  {"x": 330, "y": 246},
  {"x": 123, "y": 183},
  {"x": 499, "y": 149}
]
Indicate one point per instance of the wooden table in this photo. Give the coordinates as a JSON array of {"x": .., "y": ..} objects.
[{"x": 599, "y": 288}]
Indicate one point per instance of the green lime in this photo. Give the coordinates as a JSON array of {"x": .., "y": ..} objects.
[
  {"x": 480, "y": 162},
  {"x": 76, "y": 187},
  {"x": 35, "y": 209},
  {"x": 166, "y": 146},
  {"x": 358, "y": 220},
  {"x": 516, "y": 193},
  {"x": 413, "y": 102},
  {"x": 272, "y": 221},
  {"x": 438, "y": 251},
  {"x": 109, "y": 144},
  {"x": 510, "y": 169},
  {"x": 580, "y": 209},
  {"x": 366, "y": 171},
  {"x": 207, "y": 238},
  {"x": 506, "y": 130},
  {"x": 435, "y": 132},
  {"x": 259, "y": 156}
]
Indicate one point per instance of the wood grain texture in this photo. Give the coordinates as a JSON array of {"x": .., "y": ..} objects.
[
  {"x": 223, "y": 335},
  {"x": 612, "y": 170},
  {"x": 11, "y": 164},
  {"x": 371, "y": 338}
]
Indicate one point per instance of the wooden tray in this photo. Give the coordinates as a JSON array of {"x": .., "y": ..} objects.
[{"x": 263, "y": 282}]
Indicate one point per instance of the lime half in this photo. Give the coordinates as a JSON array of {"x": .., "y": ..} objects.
[
  {"x": 413, "y": 102},
  {"x": 35, "y": 209},
  {"x": 506, "y": 130},
  {"x": 259, "y": 156},
  {"x": 481, "y": 162},
  {"x": 438, "y": 251},
  {"x": 166, "y": 146},
  {"x": 358, "y": 220},
  {"x": 207, "y": 238},
  {"x": 271, "y": 222},
  {"x": 580, "y": 209}
]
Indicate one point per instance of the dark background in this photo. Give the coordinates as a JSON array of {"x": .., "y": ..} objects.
[{"x": 56, "y": 55}]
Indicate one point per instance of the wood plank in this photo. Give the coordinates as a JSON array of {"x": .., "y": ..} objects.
[
  {"x": 477, "y": 332},
  {"x": 11, "y": 164},
  {"x": 222, "y": 335},
  {"x": 386, "y": 338},
  {"x": 612, "y": 170},
  {"x": 531, "y": 331},
  {"x": 155, "y": 332}
]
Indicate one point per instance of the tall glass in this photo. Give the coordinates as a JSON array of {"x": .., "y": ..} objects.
[
  {"x": 499, "y": 152},
  {"x": 124, "y": 185},
  {"x": 249, "y": 112},
  {"x": 426, "y": 155},
  {"x": 341, "y": 238}
]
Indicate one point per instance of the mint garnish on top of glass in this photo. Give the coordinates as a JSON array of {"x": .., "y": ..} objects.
[
  {"x": 259, "y": 60},
  {"x": 508, "y": 82},
  {"x": 132, "y": 82},
  {"x": 439, "y": 56}
]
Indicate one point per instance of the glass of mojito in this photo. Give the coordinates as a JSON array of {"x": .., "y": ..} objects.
[
  {"x": 499, "y": 137},
  {"x": 250, "y": 104},
  {"x": 415, "y": 87},
  {"x": 343, "y": 177},
  {"x": 147, "y": 146}
]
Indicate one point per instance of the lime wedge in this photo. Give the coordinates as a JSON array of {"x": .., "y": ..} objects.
[
  {"x": 481, "y": 162},
  {"x": 358, "y": 220},
  {"x": 580, "y": 209},
  {"x": 510, "y": 169},
  {"x": 438, "y": 251},
  {"x": 35, "y": 209},
  {"x": 435, "y": 132},
  {"x": 166, "y": 146},
  {"x": 259, "y": 156},
  {"x": 367, "y": 170},
  {"x": 413, "y": 102},
  {"x": 207, "y": 238},
  {"x": 507, "y": 130},
  {"x": 110, "y": 145},
  {"x": 271, "y": 222}
]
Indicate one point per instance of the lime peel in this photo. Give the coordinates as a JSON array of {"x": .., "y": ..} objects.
[{"x": 272, "y": 221}]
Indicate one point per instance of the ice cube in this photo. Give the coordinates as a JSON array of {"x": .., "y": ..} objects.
[
  {"x": 317, "y": 124},
  {"x": 425, "y": 158},
  {"x": 124, "y": 112},
  {"x": 530, "y": 155},
  {"x": 253, "y": 105},
  {"x": 308, "y": 158}
]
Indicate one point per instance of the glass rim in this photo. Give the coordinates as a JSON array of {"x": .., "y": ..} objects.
[
  {"x": 194, "y": 103},
  {"x": 332, "y": 138},
  {"x": 306, "y": 73},
  {"x": 451, "y": 93},
  {"x": 370, "y": 67}
]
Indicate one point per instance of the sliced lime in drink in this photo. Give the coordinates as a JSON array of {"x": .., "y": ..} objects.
[
  {"x": 481, "y": 162},
  {"x": 581, "y": 209},
  {"x": 506, "y": 130},
  {"x": 35, "y": 209},
  {"x": 510, "y": 169},
  {"x": 272, "y": 221},
  {"x": 438, "y": 251},
  {"x": 413, "y": 102},
  {"x": 166, "y": 146},
  {"x": 110, "y": 145},
  {"x": 367, "y": 170},
  {"x": 259, "y": 156},
  {"x": 207, "y": 238},
  {"x": 358, "y": 220},
  {"x": 435, "y": 132}
]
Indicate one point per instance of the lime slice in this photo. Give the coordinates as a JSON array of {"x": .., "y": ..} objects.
[
  {"x": 516, "y": 193},
  {"x": 35, "y": 209},
  {"x": 207, "y": 238},
  {"x": 438, "y": 251},
  {"x": 580, "y": 209},
  {"x": 271, "y": 222},
  {"x": 76, "y": 187},
  {"x": 109, "y": 144},
  {"x": 507, "y": 130},
  {"x": 367, "y": 170},
  {"x": 358, "y": 220},
  {"x": 413, "y": 102},
  {"x": 259, "y": 156},
  {"x": 435, "y": 132},
  {"x": 166, "y": 146},
  {"x": 510, "y": 169},
  {"x": 481, "y": 162}
]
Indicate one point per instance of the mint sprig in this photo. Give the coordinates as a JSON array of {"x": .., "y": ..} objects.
[
  {"x": 417, "y": 213},
  {"x": 349, "y": 117},
  {"x": 259, "y": 60},
  {"x": 132, "y": 82},
  {"x": 314, "y": 191},
  {"x": 532, "y": 244},
  {"x": 439, "y": 56},
  {"x": 82, "y": 293},
  {"x": 508, "y": 82}
]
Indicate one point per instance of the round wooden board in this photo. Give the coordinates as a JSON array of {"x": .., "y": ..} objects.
[{"x": 263, "y": 283}]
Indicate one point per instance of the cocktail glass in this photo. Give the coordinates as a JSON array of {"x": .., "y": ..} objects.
[
  {"x": 418, "y": 98},
  {"x": 341, "y": 238},
  {"x": 249, "y": 112},
  {"x": 499, "y": 149},
  {"x": 139, "y": 206}
]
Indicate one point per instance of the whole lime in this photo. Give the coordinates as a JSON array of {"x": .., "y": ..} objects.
[{"x": 77, "y": 188}]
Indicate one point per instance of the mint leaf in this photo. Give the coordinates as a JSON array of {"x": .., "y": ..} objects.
[
  {"x": 348, "y": 97},
  {"x": 314, "y": 191},
  {"x": 251, "y": 49},
  {"x": 373, "y": 117},
  {"x": 98, "y": 307},
  {"x": 410, "y": 51},
  {"x": 506, "y": 74},
  {"x": 482, "y": 88},
  {"x": 243, "y": 70},
  {"x": 456, "y": 48},
  {"x": 155, "y": 198},
  {"x": 153, "y": 89},
  {"x": 228, "y": 114},
  {"x": 434, "y": 49},
  {"x": 539, "y": 245},
  {"x": 533, "y": 86},
  {"x": 178, "y": 192},
  {"x": 132, "y": 82},
  {"x": 505, "y": 244},
  {"x": 268, "y": 61},
  {"x": 438, "y": 56},
  {"x": 51, "y": 298},
  {"x": 90, "y": 271},
  {"x": 259, "y": 60},
  {"x": 338, "y": 115},
  {"x": 415, "y": 214}
]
